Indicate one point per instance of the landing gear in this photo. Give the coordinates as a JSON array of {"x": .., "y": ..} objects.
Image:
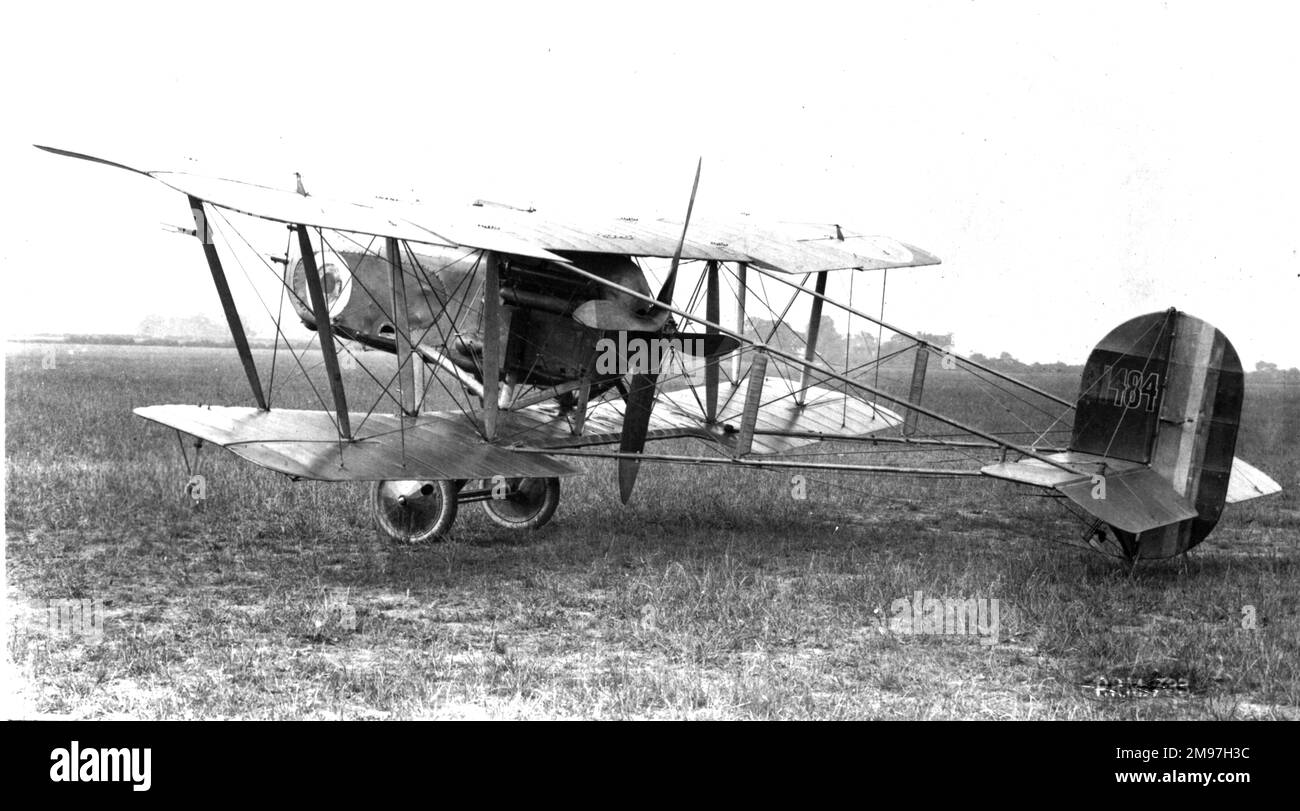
[
  {"x": 413, "y": 512},
  {"x": 522, "y": 503}
]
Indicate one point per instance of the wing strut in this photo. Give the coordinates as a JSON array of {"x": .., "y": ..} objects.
[
  {"x": 753, "y": 399},
  {"x": 402, "y": 326},
  {"x": 742, "y": 271},
  {"x": 204, "y": 233},
  {"x": 713, "y": 313},
  {"x": 321, "y": 314},
  {"x": 491, "y": 343},
  {"x": 918, "y": 387},
  {"x": 814, "y": 327}
]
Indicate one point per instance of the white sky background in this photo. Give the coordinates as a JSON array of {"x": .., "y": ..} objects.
[{"x": 1073, "y": 166}]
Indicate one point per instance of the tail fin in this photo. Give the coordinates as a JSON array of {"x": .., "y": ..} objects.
[{"x": 1164, "y": 390}]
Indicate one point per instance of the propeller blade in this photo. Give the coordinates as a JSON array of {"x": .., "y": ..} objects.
[
  {"x": 636, "y": 424},
  {"x": 604, "y": 314},
  {"x": 666, "y": 293},
  {"x": 641, "y": 395},
  {"x": 706, "y": 344}
]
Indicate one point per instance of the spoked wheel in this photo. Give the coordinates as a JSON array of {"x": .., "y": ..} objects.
[
  {"x": 528, "y": 503},
  {"x": 414, "y": 511}
]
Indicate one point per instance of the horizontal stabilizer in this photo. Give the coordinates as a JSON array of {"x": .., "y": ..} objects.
[
  {"x": 1247, "y": 482},
  {"x": 1041, "y": 474},
  {"x": 1029, "y": 471},
  {"x": 306, "y": 445},
  {"x": 1127, "y": 495},
  {"x": 1132, "y": 500}
]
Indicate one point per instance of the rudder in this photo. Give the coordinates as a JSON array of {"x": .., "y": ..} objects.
[{"x": 1165, "y": 390}]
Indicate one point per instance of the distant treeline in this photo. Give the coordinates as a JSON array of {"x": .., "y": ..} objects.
[
  {"x": 862, "y": 350},
  {"x": 139, "y": 340}
]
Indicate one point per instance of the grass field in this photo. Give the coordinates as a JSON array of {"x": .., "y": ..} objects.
[{"x": 715, "y": 594}]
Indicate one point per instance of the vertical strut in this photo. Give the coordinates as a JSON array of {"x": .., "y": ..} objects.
[
  {"x": 712, "y": 308},
  {"x": 406, "y": 395},
  {"x": 584, "y": 392},
  {"x": 918, "y": 387},
  {"x": 880, "y": 328},
  {"x": 753, "y": 399},
  {"x": 491, "y": 343},
  {"x": 580, "y": 410},
  {"x": 742, "y": 270},
  {"x": 814, "y": 326},
  {"x": 204, "y": 233},
  {"x": 321, "y": 314}
]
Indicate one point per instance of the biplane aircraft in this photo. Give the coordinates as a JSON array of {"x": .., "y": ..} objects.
[{"x": 548, "y": 337}]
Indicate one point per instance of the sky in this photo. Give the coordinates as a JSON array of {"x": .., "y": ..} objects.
[{"x": 1074, "y": 165}]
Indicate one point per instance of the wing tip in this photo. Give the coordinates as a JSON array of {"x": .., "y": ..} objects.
[{"x": 68, "y": 153}]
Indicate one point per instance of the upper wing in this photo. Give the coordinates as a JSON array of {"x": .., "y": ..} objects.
[
  {"x": 781, "y": 247},
  {"x": 382, "y": 219}
]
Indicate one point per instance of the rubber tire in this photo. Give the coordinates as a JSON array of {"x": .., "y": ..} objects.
[
  {"x": 446, "y": 506},
  {"x": 534, "y": 514}
]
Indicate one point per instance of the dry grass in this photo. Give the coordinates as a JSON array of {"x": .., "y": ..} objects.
[{"x": 714, "y": 595}]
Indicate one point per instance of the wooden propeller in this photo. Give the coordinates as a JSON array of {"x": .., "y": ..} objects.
[{"x": 641, "y": 394}]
